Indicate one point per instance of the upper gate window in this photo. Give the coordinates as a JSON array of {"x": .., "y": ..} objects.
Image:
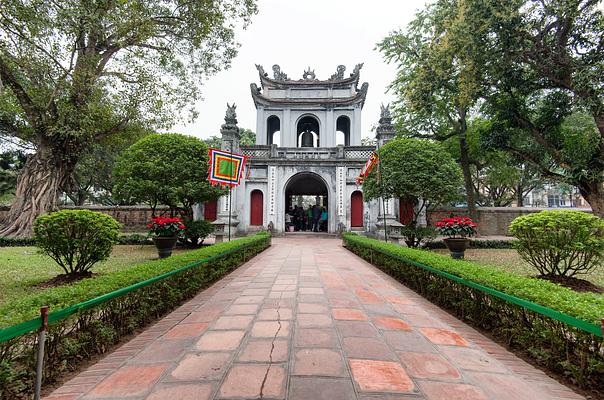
[
  {"x": 308, "y": 132},
  {"x": 343, "y": 130},
  {"x": 273, "y": 130}
]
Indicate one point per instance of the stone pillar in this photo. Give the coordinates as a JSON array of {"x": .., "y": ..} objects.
[
  {"x": 328, "y": 136},
  {"x": 288, "y": 133},
  {"x": 385, "y": 130},
  {"x": 355, "y": 129},
  {"x": 387, "y": 221},
  {"x": 230, "y": 142},
  {"x": 341, "y": 194},
  {"x": 261, "y": 126}
]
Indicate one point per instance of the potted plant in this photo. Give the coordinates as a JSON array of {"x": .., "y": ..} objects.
[
  {"x": 457, "y": 230},
  {"x": 165, "y": 232}
]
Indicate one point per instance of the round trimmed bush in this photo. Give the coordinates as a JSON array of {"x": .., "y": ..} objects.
[
  {"x": 196, "y": 232},
  {"x": 560, "y": 242},
  {"x": 76, "y": 239}
]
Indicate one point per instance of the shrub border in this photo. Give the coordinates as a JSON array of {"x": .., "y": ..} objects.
[
  {"x": 79, "y": 331},
  {"x": 550, "y": 337}
]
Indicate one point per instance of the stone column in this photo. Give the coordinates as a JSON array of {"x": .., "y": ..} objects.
[
  {"x": 261, "y": 126},
  {"x": 288, "y": 135},
  {"x": 355, "y": 131},
  {"x": 387, "y": 221},
  {"x": 230, "y": 142},
  {"x": 328, "y": 136}
]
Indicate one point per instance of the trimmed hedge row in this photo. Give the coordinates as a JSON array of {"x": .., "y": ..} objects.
[
  {"x": 562, "y": 348},
  {"x": 476, "y": 244},
  {"x": 93, "y": 331},
  {"x": 128, "y": 238}
]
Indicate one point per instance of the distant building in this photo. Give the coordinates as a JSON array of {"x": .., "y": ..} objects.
[{"x": 555, "y": 196}]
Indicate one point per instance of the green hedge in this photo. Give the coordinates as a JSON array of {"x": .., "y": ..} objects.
[
  {"x": 93, "y": 331},
  {"x": 476, "y": 244},
  {"x": 558, "y": 346},
  {"x": 125, "y": 238}
]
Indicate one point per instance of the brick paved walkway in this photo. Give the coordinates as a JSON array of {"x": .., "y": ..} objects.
[{"x": 309, "y": 320}]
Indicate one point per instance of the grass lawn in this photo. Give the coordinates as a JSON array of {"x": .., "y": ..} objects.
[
  {"x": 21, "y": 268},
  {"x": 509, "y": 260}
]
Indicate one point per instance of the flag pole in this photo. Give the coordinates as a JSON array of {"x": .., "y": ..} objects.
[
  {"x": 382, "y": 190},
  {"x": 230, "y": 188}
]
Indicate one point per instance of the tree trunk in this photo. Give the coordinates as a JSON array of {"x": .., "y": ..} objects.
[
  {"x": 464, "y": 160},
  {"x": 38, "y": 188},
  {"x": 593, "y": 193},
  {"x": 519, "y": 197}
]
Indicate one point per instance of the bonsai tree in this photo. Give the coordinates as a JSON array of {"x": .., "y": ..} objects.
[
  {"x": 76, "y": 239},
  {"x": 165, "y": 169},
  {"x": 417, "y": 171}
]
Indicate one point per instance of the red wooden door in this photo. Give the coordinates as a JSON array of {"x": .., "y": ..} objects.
[
  {"x": 356, "y": 209},
  {"x": 405, "y": 212},
  {"x": 210, "y": 210},
  {"x": 256, "y": 208}
]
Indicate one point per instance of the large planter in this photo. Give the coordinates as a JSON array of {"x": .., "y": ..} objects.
[
  {"x": 457, "y": 246},
  {"x": 165, "y": 245}
]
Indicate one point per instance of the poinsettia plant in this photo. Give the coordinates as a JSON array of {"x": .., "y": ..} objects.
[
  {"x": 456, "y": 227},
  {"x": 165, "y": 227}
]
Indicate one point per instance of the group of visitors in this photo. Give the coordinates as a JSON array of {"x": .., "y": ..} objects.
[{"x": 312, "y": 219}]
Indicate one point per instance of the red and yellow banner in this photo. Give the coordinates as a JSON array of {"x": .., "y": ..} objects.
[
  {"x": 373, "y": 159},
  {"x": 225, "y": 168}
]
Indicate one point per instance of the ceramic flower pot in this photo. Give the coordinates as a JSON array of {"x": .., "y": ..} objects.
[
  {"x": 457, "y": 246},
  {"x": 165, "y": 245}
]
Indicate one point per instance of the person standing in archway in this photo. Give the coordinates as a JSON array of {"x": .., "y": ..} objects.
[
  {"x": 323, "y": 220},
  {"x": 316, "y": 215}
]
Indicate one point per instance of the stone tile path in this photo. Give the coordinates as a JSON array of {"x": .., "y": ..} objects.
[{"x": 307, "y": 319}]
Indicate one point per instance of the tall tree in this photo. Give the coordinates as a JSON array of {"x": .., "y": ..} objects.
[
  {"x": 544, "y": 83},
  {"x": 76, "y": 72},
  {"x": 438, "y": 80}
]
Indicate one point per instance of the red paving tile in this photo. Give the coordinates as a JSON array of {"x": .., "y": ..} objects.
[
  {"x": 444, "y": 337},
  {"x": 428, "y": 365},
  {"x": 246, "y": 381},
  {"x": 390, "y": 323},
  {"x": 132, "y": 380},
  {"x": 348, "y": 314},
  {"x": 380, "y": 376},
  {"x": 344, "y": 331}
]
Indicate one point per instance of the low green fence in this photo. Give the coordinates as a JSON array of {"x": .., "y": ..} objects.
[
  {"x": 569, "y": 342},
  {"x": 90, "y": 327}
]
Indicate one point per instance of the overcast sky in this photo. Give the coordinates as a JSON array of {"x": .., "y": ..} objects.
[{"x": 301, "y": 34}]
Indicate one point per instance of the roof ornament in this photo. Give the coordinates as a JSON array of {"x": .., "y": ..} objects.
[
  {"x": 385, "y": 112},
  {"x": 231, "y": 115},
  {"x": 356, "y": 69},
  {"x": 260, "y": 69},
  {"x": 339, "y": 73},
  {"x": 278, "y": 75},
  {"x": 309, "y": 75}
]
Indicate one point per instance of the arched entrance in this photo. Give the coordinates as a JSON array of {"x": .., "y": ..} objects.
[
  {"x": 256, "y": 208},
  {"x": 303, "y": 192},
  {"x": 356, "y": 209}
]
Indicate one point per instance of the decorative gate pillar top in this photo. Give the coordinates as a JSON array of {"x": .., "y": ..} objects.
[
  {"x": 385, "y": 130},
  {"x": 230, "y": 131}
]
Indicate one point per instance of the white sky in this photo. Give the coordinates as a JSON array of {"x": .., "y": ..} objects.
[{"x": 301, "y": 34}]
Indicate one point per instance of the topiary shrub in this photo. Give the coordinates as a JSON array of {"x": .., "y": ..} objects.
[
  {"x": 76, "y": 239},
  {"x": 196, "y": 231},
  {"x": 559, "y": 242}
]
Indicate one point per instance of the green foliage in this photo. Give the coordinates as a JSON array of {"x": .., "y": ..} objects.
[
  {"x": 558, "y": 346},
  {"x": 476, "y": 244},
  {"x": 76, "y": 73},
  {"x": 11, "y": 162},
  {"x": 418, "y": 236},
  {"x": 94, "y": 331},
  {"x": 196, "y": 232},
  {"x": 76, "y": 239},
  {"x": 93, "y": 176},
  {"x": 417, "y": 170},
  {"x": 168, "y": 169},
  {"x": 560, "y": 242}
]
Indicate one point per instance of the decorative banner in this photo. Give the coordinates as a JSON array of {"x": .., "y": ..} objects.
[
  {"x": 225, "y": 168},
  {"x": 373, "y": 159}
]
